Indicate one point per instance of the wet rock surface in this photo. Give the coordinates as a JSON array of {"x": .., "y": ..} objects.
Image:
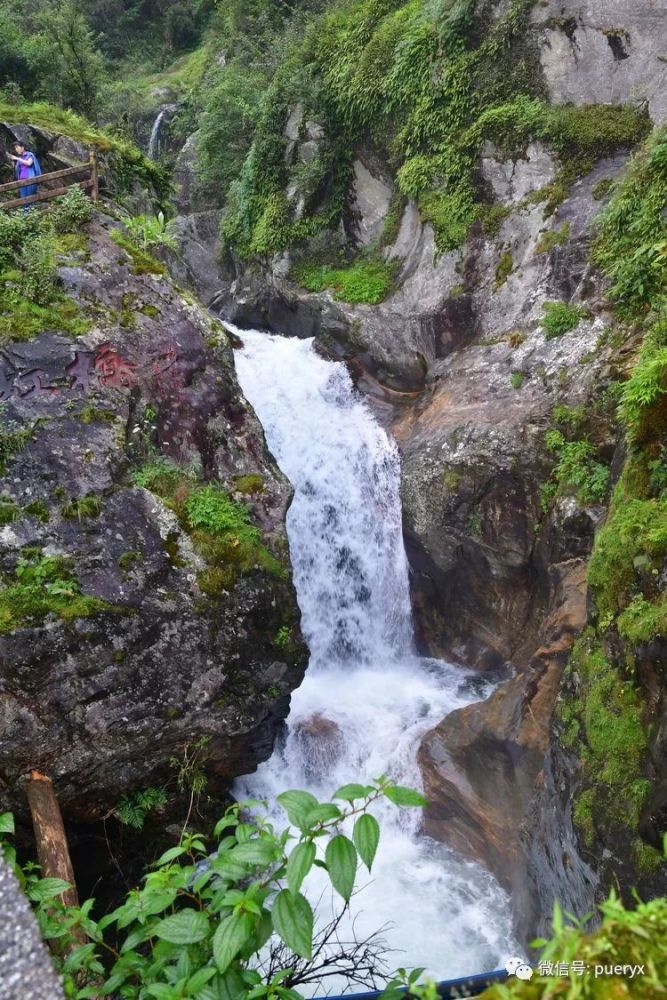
[
  {"x": 26, "y": 972},
  {"x": 102, "y": 702}
]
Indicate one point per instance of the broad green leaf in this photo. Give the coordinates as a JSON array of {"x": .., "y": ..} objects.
[
  {"x": 255, "y": 852},
  {"x": 200, "y": 979},
  {"x": 170, "y": 855},
  {"x": 402, "y": 796},
  {"x": 341, "y": 858},
  {"x": 6, "y": 823},
  {"x": 350, "y": 792},
  {"x": 162, "y": 992},
  {"x": 322, "y": 814},
  {"x": 293, "y": 920},
  {"x": 366, "y": 836},
  {"x": 230, "y": 936},
  {"x": 297, "y": 805},
  {"x": 185, "y": 927},
  {"x": 299, "y": 864},
  {"x": 48, "y": 888}
]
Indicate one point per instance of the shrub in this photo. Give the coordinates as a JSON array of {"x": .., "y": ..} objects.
[
  {"x": 632, "y": 244},
  {"x": 643, "y": 405},
  {"x": 559, "y": 318},
  {"x": 365, "y": 280},
  {"x": 37, "y": 263},
  {"x": 72, "y": 211},
  {"x": 148, "y": 232},
  {"x": 41, "y": 586},
  {"x": 205, "y": 910},
  {"x": 504, "y": 269},
  {"x": 577, "y": 470}
]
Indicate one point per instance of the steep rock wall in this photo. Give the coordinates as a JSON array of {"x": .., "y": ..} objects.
[{"x": 129, "y": 631}]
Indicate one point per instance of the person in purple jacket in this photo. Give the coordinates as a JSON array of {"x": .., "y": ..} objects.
[{"x": 26, "y": 165}]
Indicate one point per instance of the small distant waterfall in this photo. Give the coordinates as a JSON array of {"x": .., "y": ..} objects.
[
  {"x": 166, "y": 111},
  {"x": 367, "y": 698}
]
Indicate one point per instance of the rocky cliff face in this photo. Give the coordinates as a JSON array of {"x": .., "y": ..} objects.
[
  {"x": 495, "y": 365},
  {"x": 143, "y": 547}
]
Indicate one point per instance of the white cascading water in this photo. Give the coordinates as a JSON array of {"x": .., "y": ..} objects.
[{"x": 367, "y": 699}]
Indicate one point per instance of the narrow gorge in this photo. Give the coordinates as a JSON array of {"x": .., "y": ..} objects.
[{"x": 335, "y": 453}]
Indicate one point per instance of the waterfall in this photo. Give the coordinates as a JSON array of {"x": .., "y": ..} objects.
[
  {"x": 367, "y": 698},
  {"x": 154, "y": 141}
]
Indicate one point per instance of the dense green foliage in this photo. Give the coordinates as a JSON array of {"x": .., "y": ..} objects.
[
  {"x": 40, "y": 586},
  {"x": 366, "y": 280},
  {"x": 577, "y": 472},
  {"x": 65, "y": 52},
  {"x": 195, "y": 926},
  {"x": 220, "y": 527},
  {"x": 560, "y": 318},
  {"x": 427, "y": 83},
  {"x": 630, "y": 937},
  {"x": 632, "y": 245},
  {"x": 31, "y": 246},
  {"x": 603, "y": 711}
]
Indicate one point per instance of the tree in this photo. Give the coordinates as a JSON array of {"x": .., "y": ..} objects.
[{"x": 72, "y": 69}]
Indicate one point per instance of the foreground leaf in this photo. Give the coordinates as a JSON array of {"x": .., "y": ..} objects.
[
  {"x": 341, "y": 858},
  {"x": 230, "y": 937},
  {"x": 299, "y": 864},
  {"x": 366, "y": 837},
  {"x": 186, "y": 927},
  {"x": 293, "y": 920}
]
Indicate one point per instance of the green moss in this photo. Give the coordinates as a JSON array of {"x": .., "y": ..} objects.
[
  {"x": 517, "y": 379},
  {"x": 609, "y": 738},
  {"x": 221, "y": 528},
  {"x": 142, "y": 261},
  {"x": 451, "y": 479},
  {"x": 392, "y": 221},
  {"x": 644, "y": 620},
  {"x": 87, "y": 506},
  {"x": 365, "y": 280},
  {"x": 602, "y": 188},
  {"x": 632, "y": 542},
  {"x": 91, "y": 414},
  {"x": 504, "y": 269},
  {"x": 560, "y": 318},
  {"x": 150, "y": 310},
  {"x": 12, "y": 439},
  {"x": 553, "y": 238},
  {"x": 9, "y": 511},
  {"x": 72, "y": 244},
  {"x": 40, "y": 587},
  {"x": 128, "y": 560},
  {"x": 582, "y": 815},
  {"x": 38, "y": 509},
  {"x": 249, "y": 484},
  {"x": 647, "y": 859},
  {"x": 493, "y": 217},
  {"x": 21, "y": 319}
]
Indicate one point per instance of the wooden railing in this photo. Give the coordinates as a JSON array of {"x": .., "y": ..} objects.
[{"x": 89, "y": 184}]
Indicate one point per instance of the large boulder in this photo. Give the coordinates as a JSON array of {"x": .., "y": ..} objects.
[{"x": 130, "y": 653}]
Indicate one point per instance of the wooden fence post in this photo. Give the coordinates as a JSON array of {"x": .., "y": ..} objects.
[
  {"x": 95, "y": 191},
  {"x": 52, "y": 847}
]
